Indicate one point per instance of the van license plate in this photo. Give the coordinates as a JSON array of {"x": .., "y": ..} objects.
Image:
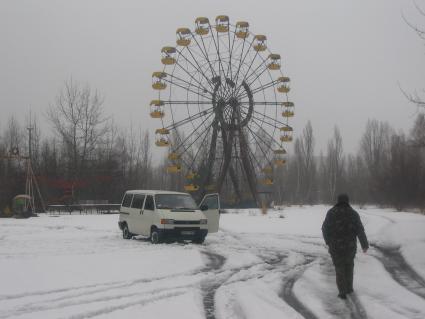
[{"x": 188, "y": 232}]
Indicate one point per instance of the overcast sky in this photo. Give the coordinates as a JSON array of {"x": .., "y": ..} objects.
[{"x": 346, "y": 59}]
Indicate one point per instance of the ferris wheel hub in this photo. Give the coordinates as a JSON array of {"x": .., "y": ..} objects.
[{"x": 232, "y": 111}]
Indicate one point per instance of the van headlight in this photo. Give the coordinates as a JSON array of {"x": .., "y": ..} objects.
[
  {"x": 203, "y": 221},
  {"x": 167, "y": 221}
]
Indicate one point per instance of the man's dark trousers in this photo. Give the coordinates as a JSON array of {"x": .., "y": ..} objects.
[{"x": 344, "y": 266}]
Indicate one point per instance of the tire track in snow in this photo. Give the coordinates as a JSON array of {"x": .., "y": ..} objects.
[
  {"x": 93, "y": 288},
  {"x": 209, "y": 288},
  {"x": 71, "y": 296},
  {"x": 349, "y": 308},
  {"x": 287, "y": 293},
  {"x": 139, "y": 302},
  {"x": 277, "y": 263},
  {"x": 294, "y": 272},
  {"x": 49, "y": 305},
  {"x": 218, "y": 278},
  {"x": 357, "y": 310},
  {"x": 395, "y": 264},
  {"x": 55, "y": 291}
]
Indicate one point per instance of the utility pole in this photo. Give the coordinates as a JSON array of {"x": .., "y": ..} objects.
[
  {"x": 28, "y": 184},
  {"x": 30, "y": 128},
  {"x": 31, "y": 180}
]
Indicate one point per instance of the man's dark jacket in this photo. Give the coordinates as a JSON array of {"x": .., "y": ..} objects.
[{"x": 341, "y": 228}]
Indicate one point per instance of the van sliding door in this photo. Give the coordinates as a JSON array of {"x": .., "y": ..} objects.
[{"x": 136, "y": 213}]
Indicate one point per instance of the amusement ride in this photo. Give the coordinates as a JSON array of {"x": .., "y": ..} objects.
[{"x": 223, "y": 108}]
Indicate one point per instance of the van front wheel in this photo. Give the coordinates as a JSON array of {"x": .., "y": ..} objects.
[
  {"x": 199, "y": 240},
  {"x": 155, "y": 236},
  {"x": 126, "y": 233}
]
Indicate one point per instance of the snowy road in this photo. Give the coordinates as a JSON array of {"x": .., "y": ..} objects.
[{"x": 255, "y": 267}]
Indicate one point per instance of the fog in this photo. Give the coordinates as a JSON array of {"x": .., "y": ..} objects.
[{"x": 347, "y": 59}]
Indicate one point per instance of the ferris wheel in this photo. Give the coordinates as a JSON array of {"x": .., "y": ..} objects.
[{"x": 222, "y": 107}]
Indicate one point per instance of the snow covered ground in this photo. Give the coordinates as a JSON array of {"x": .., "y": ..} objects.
[{"x": 255, "y": 267}]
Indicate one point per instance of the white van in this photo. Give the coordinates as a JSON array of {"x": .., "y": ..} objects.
[{"x": 165, "y": 215}]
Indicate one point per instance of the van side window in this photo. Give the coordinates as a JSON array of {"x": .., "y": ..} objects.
[
  {"x": 126, "y": 202},
  {"x": 138, "y": 201},
  {"x": 149, "y": 203}
]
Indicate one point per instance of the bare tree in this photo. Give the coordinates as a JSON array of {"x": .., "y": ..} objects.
[
  {"x": 404, "y": 175},
  {"x": 375, "y": 150},
  {"x": 12, "y": 171},
  {"x": 333, "y": 166},
  {"x": 418, "y": 131},
  {"x": 305, "y": 165},
  {"x": 356, "y": 178},
  {"x": 77, "y": 116},
  {"x": 416, "y": 97},
  {"x": 14, "y": 135}
]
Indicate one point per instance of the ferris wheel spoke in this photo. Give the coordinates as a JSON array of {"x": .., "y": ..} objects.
[
  {"x": 268, "y": 103},
  {"x": 232, "y": 57},
  {"x": 260, "y": 88},
  {"x": 260, "y": 74},
  {"x": 242, "y": 60},
  {"x": 272, "y": 140},
  {"x": 272, "y": 124},
  {"x": 256, "y": 69},
  {"x": 188, "y": 88},
  {"x": 217, "y": 48},
  {"x": 205, "y": 54},
  {"x": 189, "y": 84},
  {"x": 177, "y": 124},
  {"x": 200, "y": 85},
  {"x": 229, "y": 68},
  {"x": 193, "y": 132},
  {"x": 253, "y": 159},
  {"x": 257, "y": 138},
  {"x": 199, "y": 148},
  {"x": 272, "y": 119},
  {"x": 184, "y": 102},
  {"x": 254, "y": 72},
  {"x": 197, "y": 66},
  {"x": 249, "y": 68},
  {"x": 220, "y": 64},
  {"x": 263, "y": 63}
]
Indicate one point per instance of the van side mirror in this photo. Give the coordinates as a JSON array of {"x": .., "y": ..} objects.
[{"x": 203, "y": 207}]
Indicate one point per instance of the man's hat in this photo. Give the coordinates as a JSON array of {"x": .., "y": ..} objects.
[{"x": 343, "y": 198}]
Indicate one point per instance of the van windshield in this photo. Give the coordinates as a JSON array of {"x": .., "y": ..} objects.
[{"x": 175, "y": 201}]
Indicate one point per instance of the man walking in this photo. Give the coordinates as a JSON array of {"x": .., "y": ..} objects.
[{"x": 340, "y": 230}]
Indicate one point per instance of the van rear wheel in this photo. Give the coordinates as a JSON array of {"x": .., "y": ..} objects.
[
  {"x": 155, "y": 236},
  {"x": 126, "y": 232}
]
